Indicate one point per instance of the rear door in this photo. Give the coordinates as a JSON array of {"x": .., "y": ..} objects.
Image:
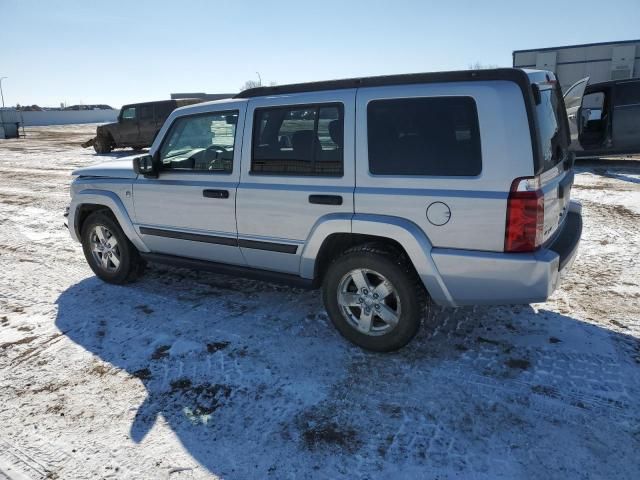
[
  {"x": 128, "y": 126},
  {"x": 297, "y": 168},
  {"x": 626, "y": 117},
  {"x": 146, "y": 125}
]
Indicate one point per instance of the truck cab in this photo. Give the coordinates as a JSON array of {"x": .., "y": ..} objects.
[{"x": 137, "y": 125}]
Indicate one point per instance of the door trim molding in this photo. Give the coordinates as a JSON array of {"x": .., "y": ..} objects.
[{"x": 218, "y": 240}]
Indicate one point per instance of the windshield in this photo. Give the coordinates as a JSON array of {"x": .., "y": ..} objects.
[{"x": 552, "y": 128}]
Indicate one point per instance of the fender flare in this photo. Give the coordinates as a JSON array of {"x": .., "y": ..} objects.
[
  {"x": 111, "y": 201},
  {"x": 406, "y": 233}
]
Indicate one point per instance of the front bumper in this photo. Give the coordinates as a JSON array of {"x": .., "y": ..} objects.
[{"x": 492, "y": 278}]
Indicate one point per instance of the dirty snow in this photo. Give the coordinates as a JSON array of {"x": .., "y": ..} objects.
[{"x": 190, "y": 375}]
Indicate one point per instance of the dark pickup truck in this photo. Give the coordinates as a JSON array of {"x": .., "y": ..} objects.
[{"x": 137, "y": 125}]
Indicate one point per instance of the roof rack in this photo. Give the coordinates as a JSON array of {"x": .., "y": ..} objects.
[{"x": 510, "y": 74}]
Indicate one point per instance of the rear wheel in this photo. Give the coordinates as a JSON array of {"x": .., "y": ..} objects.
[
  {"x": 110, "y": 254},
  {"x": 374, "y": 298}
]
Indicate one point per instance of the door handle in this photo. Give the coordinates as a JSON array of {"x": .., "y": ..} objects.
[
  {"x": 215, "y": 193},
  {"x": 326, "y": 199}
]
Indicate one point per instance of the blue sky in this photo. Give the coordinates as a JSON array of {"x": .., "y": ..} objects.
[{"x": 116, "y": 51}]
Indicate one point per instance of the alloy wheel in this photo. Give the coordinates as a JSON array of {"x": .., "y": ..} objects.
[{"x": 369, "y": 302}]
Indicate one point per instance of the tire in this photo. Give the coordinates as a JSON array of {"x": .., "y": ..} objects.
[
  {"x": 102, "y": 145},
  {"x": 406, "y": 300},
  {"x": 124, "y": 265}
]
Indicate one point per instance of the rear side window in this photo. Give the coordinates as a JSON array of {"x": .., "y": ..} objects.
[
  {"x": 163, "y": 110},
  {"x": 628, "y": 93},
  {"x": 298, "y": 140},
  {"x": 436, "y": 136},
  {"x": 146, "y": 112}
]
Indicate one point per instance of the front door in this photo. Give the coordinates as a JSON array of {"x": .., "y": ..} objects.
[
  {"x": 189, "y": 210},
  {"x": 572, "y": 102},
  {"x": 297, "y": 168},
  {"x": 595, "y": 132}
]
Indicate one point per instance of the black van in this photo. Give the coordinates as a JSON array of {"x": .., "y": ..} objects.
[
  {"x": 137, "y": 125},
  {"x": 604, "y": 118}
]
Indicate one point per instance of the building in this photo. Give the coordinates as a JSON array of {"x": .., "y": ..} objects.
[
  {"x": 599, "y": 61},
  {"x": 203, "y": 96}
]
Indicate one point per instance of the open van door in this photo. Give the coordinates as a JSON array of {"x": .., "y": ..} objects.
[{"x": 573, "y": 102}]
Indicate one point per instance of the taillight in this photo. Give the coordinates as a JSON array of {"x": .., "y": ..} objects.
[{"x": 525, "y": 216}]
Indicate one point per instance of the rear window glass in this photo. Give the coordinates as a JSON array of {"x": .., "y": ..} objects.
[
  {"x": 628, "y": 93},
  {"x": 298, "y": 140},
  {"x": 436, "y": 136},
  {"x": 551, "y": 127}
]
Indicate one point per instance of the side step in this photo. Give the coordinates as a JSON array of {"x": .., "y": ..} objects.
[{"x": 232, "y": 270}]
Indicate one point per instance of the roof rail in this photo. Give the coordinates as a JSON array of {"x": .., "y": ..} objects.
[{"x": 511, "y": 74}]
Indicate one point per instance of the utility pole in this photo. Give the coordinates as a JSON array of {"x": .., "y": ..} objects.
[{"x": 2, "y": 94}]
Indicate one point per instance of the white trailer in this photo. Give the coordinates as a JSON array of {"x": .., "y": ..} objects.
[{"x": 599, "y": 61}]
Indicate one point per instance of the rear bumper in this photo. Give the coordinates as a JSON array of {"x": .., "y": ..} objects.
[{"x": 492, "y": 278}]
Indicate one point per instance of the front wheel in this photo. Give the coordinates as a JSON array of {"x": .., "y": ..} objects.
[
  {"x": 110, "y": 254},
  {"x": 102, "y": 145},
  {"x": 374, "y": 298}
]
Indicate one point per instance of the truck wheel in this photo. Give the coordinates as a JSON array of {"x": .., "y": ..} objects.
[
  {"x": 102, "y": 145},
  {"x": 374, "y": 298},
  {"x": 110, "y": 254}
]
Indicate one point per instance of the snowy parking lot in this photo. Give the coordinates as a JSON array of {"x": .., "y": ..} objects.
[{"x": 190, "y": 375}]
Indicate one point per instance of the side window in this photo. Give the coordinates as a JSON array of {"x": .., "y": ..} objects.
[
  {"x": 202, "y": 142},
  {"x": 298, "y": 140},
  {"x": 163, "y": 110},
  {"x": 436, "y": 136},
  {"x": 145, "y": 112},
  {"x": 129, "y": 113},
  {"x": 627, "y": 93},
  {"x": 594, "y": 102}
]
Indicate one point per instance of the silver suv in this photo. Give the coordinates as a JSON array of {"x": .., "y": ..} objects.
[{"x": 388, "y": 192}]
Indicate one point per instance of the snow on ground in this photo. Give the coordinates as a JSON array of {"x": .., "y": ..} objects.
[{"x": 190, "y": 375}]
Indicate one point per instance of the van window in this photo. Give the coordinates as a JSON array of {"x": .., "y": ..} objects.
[
  {"x": 201, "y": 142},
  {"x": 298, "y": 140},
  {"x": 437, "y": 136}
]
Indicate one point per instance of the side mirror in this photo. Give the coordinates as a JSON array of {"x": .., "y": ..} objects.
[{"x": 146, "y": 165}]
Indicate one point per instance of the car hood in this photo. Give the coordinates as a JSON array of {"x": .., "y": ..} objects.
[
  {"x": 106, "y": 126},
  {"x": 119, "y": 168}
]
